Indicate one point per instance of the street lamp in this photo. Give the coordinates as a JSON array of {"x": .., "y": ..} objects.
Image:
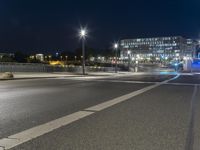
[
  {"x": 66, "y": 59},
  {"x": 129, "y": 52},
  {"x": 116, "y": 47},
  {"x": 75, "y": 58},
  {"x": 50, "y": 57},
  {"x": 83, "y": 34}
]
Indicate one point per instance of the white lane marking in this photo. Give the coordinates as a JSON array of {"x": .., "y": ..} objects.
[
  {"x": 120, "y": 99},
  {"x": 1, "y": 148},
  {"x": 186, "y": 84},
  {"x": 85, "y": 77},
  {"x": 122, "y": 81},
  {"x": 196, "y": 138},
  {"x": 190, "y": 134},
  {"x": 125, "y": 81},
  {"x": 29, "y": 134},
  {"x": 37, "y": 131}
]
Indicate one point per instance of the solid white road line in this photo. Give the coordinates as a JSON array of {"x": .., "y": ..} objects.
[
  {"x": 120, "y": 99},
  {"x": 182, "y": 84},
  {"x": 37, "y": 131},
  {"x": 146, "y": 82},
  {"x": 1, "y": 148},
  {"x": 29, "y": 134},
  {"x": 126, "y": 81}
]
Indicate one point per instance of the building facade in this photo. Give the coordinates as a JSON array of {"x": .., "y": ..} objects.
[
  {"x": 6, "y": 55},
  {"x": 175, "y": 46},
  {"x": 40, "y": 57}
]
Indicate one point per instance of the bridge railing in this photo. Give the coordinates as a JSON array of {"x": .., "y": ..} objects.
[{"x": 29, "y": 67}]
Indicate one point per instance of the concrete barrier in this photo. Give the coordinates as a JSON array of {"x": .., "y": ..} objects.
[{"x": 7, "y": 75}]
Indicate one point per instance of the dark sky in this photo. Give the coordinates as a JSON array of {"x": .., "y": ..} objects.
[{"x": 41, "y": 25}]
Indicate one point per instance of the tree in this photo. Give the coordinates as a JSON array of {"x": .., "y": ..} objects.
[{"x": 20, "y": 57}]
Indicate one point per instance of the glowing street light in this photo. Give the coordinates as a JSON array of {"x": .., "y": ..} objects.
[
  {"x": 115, "y": 45},
  {"x": 75, "y": 57},
  {"x": 50, "y": 57},
  {"x": 83, "y": 34},
  {"x": 116, "y": 48}
]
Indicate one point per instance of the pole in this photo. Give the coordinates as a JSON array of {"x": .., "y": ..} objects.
[
  {"x": 116, "y": 60},
  {"x": 128, "y": 62},
  {"x": 83, "y": 53}
]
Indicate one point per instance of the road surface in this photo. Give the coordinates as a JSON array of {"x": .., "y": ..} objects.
[{"x": 140, "y": 112}]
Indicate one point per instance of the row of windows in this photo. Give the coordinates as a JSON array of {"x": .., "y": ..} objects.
[
  {"x": 160, "y": 55},
  {"x": 153, "y": 45},
  {"x": 149, "y": 43},
  {"x": 156, "y": 39},
  {"x": 150, "y": 39}
]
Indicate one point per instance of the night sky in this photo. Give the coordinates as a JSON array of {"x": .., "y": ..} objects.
[{"x": 47, "y": 26}]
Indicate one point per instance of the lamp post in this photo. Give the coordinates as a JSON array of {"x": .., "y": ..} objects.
[
  {"x": 75, "y": 59},
  {"x": 66, "y": 59},
  {"x": 83, "y": 34},
  {"x": 115, "y": 47},
  {"x": 129, "y": 52}
]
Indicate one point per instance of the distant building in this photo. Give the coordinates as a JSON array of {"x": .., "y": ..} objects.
[
  {"x": 175, "y": 46},
  {"x": 197, "y": 52},
  {"x": 11, "y": 55},
  {"x": 191, "y": 47},
  {"x": 40, "y": 57}
]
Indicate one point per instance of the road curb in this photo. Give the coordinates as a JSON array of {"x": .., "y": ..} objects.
[
  {"x": 28, "y": 78},
  {"x": 51, "y": 77}
]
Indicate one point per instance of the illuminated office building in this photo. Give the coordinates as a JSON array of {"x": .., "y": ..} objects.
[{"x": 175, "y": 46}]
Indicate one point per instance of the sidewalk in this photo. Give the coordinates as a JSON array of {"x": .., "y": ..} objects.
[{"x": 34, "y": 75}]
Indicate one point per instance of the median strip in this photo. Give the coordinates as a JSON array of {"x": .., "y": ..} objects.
[{"x": 29, "y": 134}]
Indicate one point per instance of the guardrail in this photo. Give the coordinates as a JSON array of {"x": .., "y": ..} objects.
[{"x": 28, "y": 67}]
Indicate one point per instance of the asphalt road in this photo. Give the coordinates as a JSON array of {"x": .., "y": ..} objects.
[{"x": 164, "y": 117}]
